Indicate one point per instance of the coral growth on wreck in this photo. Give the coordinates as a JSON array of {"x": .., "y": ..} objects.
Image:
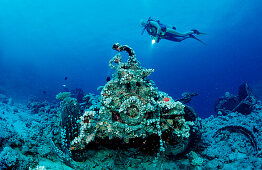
[{"x": 131, "y": 108}]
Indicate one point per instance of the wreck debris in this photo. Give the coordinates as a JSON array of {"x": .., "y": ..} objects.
[
  {"x": 187, "y": 97},
  {"x": 239, "y": 129},
  {"x": 243, "y": 103},
  {"x": 131, "y": 111}
]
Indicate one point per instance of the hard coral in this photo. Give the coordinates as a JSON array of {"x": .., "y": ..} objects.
[{"x": 63, "y": 95}]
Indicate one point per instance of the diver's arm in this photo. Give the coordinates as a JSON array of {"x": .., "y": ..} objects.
[
  {"x": 158, "y": 29},
  {"x": 156, "y": 25}
]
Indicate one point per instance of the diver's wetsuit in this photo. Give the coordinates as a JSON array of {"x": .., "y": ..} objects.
[
  {"x": 152, "y": 30},
  {"x": 173, "y": 37},
  {"x": 159, "y": 31}
]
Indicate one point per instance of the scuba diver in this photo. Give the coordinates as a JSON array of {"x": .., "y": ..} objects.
[{"x": 158, "y": 31}]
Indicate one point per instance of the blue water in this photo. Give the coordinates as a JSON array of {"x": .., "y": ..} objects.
[{"x": 42, "y": 41}]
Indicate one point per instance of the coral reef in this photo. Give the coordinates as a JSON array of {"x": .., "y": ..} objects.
[
  {"x": 24, "y": 136},
  {"x": 12, "y": 159},
  {"x": 41, "y": 107},
  {"x": 69, "y": 112},
  {"x": 195, "y": 159},
  {"x": 5, "y": 99},
  {"x": 78, "y": 93}
]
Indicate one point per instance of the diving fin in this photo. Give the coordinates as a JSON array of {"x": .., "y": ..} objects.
[
  {"x": 201, "y": 33},
  {"x": 192, "y": 36}
]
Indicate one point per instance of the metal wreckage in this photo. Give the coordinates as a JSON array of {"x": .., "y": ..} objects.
[{"x": 130, "y": 112}]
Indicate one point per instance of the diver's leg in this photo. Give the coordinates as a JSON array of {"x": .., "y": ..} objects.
[
  {"x": 198, "y": 32},
  {"x": 174, "y": 32},
  {"x": 173, "y": 37},
  {"x": 176, "y": 38},
  {"x": 179, "y": 39}
]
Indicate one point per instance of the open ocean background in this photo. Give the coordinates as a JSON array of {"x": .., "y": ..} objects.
[{"x": 44, "y": 41}]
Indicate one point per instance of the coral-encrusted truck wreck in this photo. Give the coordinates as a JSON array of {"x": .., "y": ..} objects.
[{"x": 130, "y": 110}]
